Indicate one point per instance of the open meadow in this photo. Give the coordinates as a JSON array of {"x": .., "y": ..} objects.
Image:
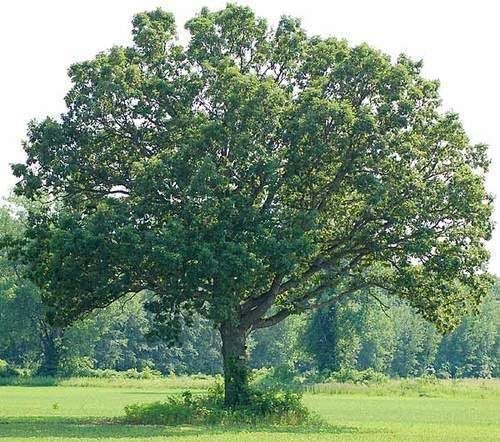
[{"x": 93, "y": 409}]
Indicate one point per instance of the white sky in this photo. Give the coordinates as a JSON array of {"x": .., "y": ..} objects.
[{"x": 458, "y": 40}]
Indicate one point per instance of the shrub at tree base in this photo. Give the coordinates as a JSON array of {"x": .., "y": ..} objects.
[
  {"x": 269, "y": 407},
  {"x": 281, "y": 377}
]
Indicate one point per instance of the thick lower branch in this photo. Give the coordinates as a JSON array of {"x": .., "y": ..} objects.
[
  {"x": 272, "y": 320},
  {"x": 303, "y": 304},
  {"x": 256, "y": 307}
]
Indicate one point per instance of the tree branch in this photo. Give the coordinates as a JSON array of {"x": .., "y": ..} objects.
[
  {"x": 283, "y": 314},
  {"x": 256, "y": 307}
]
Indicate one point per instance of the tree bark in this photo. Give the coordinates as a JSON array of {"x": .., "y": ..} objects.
[
  {"x": 234, "y": 355},
  {"x": 51, "y": 347}
]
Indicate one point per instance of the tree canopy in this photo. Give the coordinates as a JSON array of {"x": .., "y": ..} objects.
[{"x": 252, "y": 174}]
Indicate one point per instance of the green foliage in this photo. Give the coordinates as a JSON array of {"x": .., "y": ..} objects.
[
  {"x": 473, "y": 349},
  {"x": 357, "y": 334},
  {"x": 250, "y": 175},
  {"x": 270, "y": 347},
  {"x": 368, "y": 376},
  {"x": 270, "y": 407},
  {"x": 236, "y": 162},
  {"x": 415, "y": 344},
  {"x": 26, "y": 339},
  {"x": 113, "y": 339},
  {"x": 6, "y": 370},
  {"x": 280, "y": 377},
  {"x": 81, "y": 368}
]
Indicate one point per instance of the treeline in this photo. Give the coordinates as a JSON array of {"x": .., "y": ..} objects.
[
  {"x": 366, "y": 333},
  {"x": 359, "y": 334}
]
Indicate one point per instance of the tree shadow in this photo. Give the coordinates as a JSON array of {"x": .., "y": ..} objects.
[{"x": 57, "y": 427}]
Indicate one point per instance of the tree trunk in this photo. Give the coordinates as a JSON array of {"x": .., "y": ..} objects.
[
  {"x": 51, "y": 347},
  {"x": 234, "y": 355}
]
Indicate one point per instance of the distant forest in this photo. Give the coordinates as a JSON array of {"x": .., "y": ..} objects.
[{"x": 369, "y": 332}]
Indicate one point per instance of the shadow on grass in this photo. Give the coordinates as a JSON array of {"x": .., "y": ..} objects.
[{"x": 55, "y": 427}]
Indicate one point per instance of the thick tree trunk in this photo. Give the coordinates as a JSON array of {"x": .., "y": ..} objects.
[
  {"x": 234, "y": 354},
  {"x": 51, "y": 347}
]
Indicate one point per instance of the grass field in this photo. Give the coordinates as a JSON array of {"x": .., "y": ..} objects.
[{"x": 90, "y": 410}]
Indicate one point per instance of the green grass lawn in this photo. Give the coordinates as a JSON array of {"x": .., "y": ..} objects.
[{"x": 75, "y": 412}]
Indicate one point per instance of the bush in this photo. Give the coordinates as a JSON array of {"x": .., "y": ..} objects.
[
  {"x": 369, "y": 376},
  {"x": 83, "y": 367},
  {"x": 264, "y": 407},
  {"x": 76, "y": 366},
  {"x": 6, "y": 371},
  {"x": 283, "y": 407},
  {"x": 281, "y": 377}
]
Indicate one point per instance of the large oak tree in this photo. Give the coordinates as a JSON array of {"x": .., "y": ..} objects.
[{"x": 249, "y": 175}]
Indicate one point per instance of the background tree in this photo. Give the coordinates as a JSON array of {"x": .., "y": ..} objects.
[
  {"x": 114, "y": 338},
  {"x": 25, "y": 333},
  {"x": 358, "y": 334},
  {"x": 253, "y": 174},
  {"x": 473, "y": 349},
  {"x": 415, "y": 344}
]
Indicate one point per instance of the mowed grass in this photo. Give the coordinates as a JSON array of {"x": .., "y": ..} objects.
[{"x": 74, "y": 411}]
